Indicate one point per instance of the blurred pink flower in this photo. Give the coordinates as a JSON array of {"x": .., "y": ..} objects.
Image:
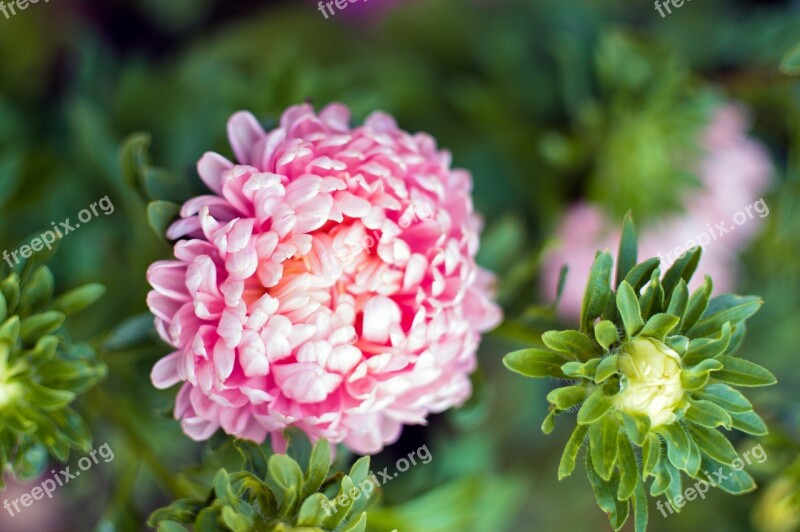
[
  {"x": 328, "y": 283},
  {"x": 734, "y": 171}
]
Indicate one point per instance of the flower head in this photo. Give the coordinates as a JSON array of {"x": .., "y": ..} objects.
[
  {"x": 328, "y": 283},
  {"x": 650, "y": 368},
  {"x": 651, "y": 380}
]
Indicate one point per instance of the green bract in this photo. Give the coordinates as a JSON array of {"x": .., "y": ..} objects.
[
  {"x": 650, "y": 372},
  {"x": 41, "y": 372},
  {"x": 287, "y": 492}
]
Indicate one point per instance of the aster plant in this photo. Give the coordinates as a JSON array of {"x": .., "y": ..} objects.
[
  {"x": 650, "y": 373},
  {"x": 283, "y": 493},
  {"x": 42, "y": 371},
  {"x": 327, "y": 281}
]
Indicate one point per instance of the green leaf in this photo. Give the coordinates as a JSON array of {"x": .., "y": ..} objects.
[
  {"x": 636, "y": 426},
  {"x": 682, "y": 452},
  {"x": 741, "y": 372},
  {"x": 679, "y": 344},
  {"x": 603, "y": 445},
  {"x": 254, "y": 459},
  {"x": 576, "y": 370},
  {"x": 712, "y": 443},
  {"x": 749, "y": 422},
  {"x": 708, "y": 414},
  {"x": 629, "y": 310},
  {"x": 790, "y": 63},
  {"x": 549, "y": 423},
  {"x": 298, "y": 446},
  {"x": 683, "y": 268},
  {"x": 652, "y": 300},
  {"x": 38, "y": 290},
  {"x": 595, "y": 407},
  {"x": 598, "y": 290},
  {"x": 312, "y": 512},
  {"x": 535, "y": 363},
  {"x": 725, "y": 308},
  {"x": 79, "y": 298},
  {"x": 573, "y": 343},
  {"x": 733, "y": 482},
  {"x": 605, "y": 492},
  {"x": 606, "y": 368},
  {"x": 628, "y": 246},
  {"x": 698, "y": 303},
  {"x": 659, "y": 325},
  {"x": 639, "y": 507},
  {"x": 606, "y": 334},
  {"x": 566, "y": 397},
  {"x": 641, "y": 273},
  {"x": 39, "y": 325},
  {"x": 48, "y": 399},
  {"x": 358, "y": 525},
  {"x": 704, "y": 348},
  {"x": 697, "y": 376},
  {"x": 629, "y": 470},
  {"x": 679, "y": 300},
  {"x": 285, "y": 480},
  {"x": 160, "y": 214},
  {"x": 651, "y": 454},
  {"x": 134, "y": 158},
  {"x": 571, "y": 450},
  {"x": 318, "y": 466},
  {"x": 723, "y": 395}
]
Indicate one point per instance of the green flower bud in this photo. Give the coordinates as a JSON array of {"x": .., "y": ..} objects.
[{"x": 651, "y": 383}]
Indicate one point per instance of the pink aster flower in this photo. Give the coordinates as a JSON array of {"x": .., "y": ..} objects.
[
  {"x": 328, "y": 282},
  {"x": 734, "y": 171}
]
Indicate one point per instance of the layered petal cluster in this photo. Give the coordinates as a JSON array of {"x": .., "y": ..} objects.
[
  {"x": 328, "y": 283},
  {"x": 722, "y": 217}
]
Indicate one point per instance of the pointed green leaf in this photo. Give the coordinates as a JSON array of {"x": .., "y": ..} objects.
[
  {"x": 636, "y": 426},
  {"x": 566, "y": 397},
  {"x": 535, "y": 363},
  {"x": 598, "y": 290},
  {"x": 723, "y": 395},
  {"x": 628, "y": 246},
  {"x": 629, "y": 310},
  {"x": 741, "y": 372},
  {"x": 606, "y": 334},
  {"x": 682, "y": 452},
  {"x": 606, "y": 368},
  {"x": 603, "y": 445},
  {"x": 79, "y": 298},
  {"x": 725, "y": 308},
  {"x": 703, "y": 348},
  {"x": 712, "y": 443},
  {"x": 708, "y": 414},
  {"x": 595, "y": 407},
  {"x": 659, "y": 326},
  {"x": 749, "y": 422},
  {"x": 570, "y": 454},
  {"x": 574, "y": 344},
  {"x": 629, "y": 470},
  {"x": 683, "y": 268},
  {"x": 698, "y": 303},
  {"x": 697, "y": 376}
]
